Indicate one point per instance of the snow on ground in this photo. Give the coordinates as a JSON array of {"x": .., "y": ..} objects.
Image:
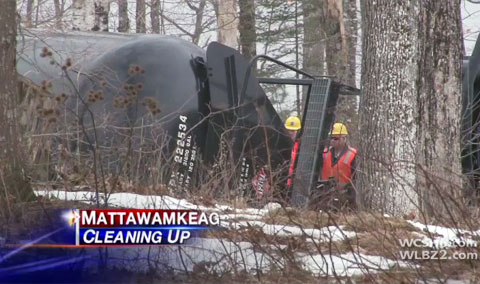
[
  {"x": 240, "y": 216},
  {"x": 219, "y": 256},
  {"x": 124, "y": 199},
  {"x": 443, "y": 237},
  {"x": 331, "y": 233},
  {"x": 132, "y": 200},
  {"x": 209, "y": 255}
]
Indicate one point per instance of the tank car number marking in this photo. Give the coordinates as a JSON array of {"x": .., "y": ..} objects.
[
  {"x": 185, "y": 154},
  {"x": 244, "y": 174},
  {"x": 181, "y": 154}
]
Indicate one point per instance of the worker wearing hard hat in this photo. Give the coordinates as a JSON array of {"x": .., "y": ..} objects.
[
  {"x": 293, "y": 125},
  {"x": 260, "y": 180},
  {"x": 339, "y": 162}
]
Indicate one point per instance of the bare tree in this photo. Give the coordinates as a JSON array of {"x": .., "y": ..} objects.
[
  {"x": 387, "y": 117},
  {"x": 227, "y": 20},
  {"x": 90, "y": 15},
  {"x": 439, "y": 104},
  {"x": 339, "y": 58},
  {"x": 196, "y": 20},
  {"x": 351, "y": 31},
  {"x": 102, "y": 7},
  {"x": 313, "y": 44},
  {"x": 334, "y": 27},
  {"x": 58, "y": 14},
  {"x": 410, "y": 108},
  {"x": 123, "y": 21},
  {"x": 28, "y": 16},
  {"x": 162, "y": 19},
  {"x": 83, "y": 15},
  {"x": 248, "y": 34},
  {"x": 314, "y": 41},
  {"x": 14, "y": 185},
  {"x": 155, "y": 16},
  {"x": 140, "y": 17}
]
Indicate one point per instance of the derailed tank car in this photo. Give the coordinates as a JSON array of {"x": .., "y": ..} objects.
[{"x": 143, "y": 104}]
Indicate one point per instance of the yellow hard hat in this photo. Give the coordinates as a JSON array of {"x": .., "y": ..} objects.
[
  {"x": 339, "y": 129},
  {"x": 293, "y": 123}
]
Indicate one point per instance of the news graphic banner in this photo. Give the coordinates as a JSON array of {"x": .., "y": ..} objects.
[{"x": 130, "y": 227}]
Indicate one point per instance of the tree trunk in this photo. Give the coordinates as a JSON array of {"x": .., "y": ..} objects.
[
  {"x": 387, "y": 179},
  {"x": 198, "y": 20},
  {"x": 314, "y": 41},
  {"x": 411, "y": 107},
  {"x": 58, "y": 14},
  {"x": 83, "y": 15},
  {"x": 336, "y": 51},
  {"x": 28, "y": 20},
  {"x": 439, "y": 105},
  {"x": 351, "y": 32},
  {"x": 338, "y": 56},
  {"x": 248, "y": 35},
  {"x": 37, "y": 14},
  {"x": 14, "y": 186},
  {"x": 162, "y": 19},
  {"x": 155, "y": 16},
  {"x": 102, "y": 8},
  {"x": 227, "y": 21},
  {"x": 123, "y": 21},
  {"x": 140, "y": 17},
  {"x": 349, "y": 105},
  {"x": 313, "y": 44}
]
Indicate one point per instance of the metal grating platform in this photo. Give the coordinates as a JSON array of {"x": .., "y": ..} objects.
[{"x": 317, "y": 121}]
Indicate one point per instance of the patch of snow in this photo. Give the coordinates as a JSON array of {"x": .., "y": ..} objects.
[
  {"x": 124, "y": 199},
  {"x": 272, "y": 206},
  {"x": 132, "y": 200},
  {"x": 202, "y": 255},
  {"x": 224, "y": 256},
  {"x": 238, "y": 216},
  {"x": 221, "y": 256},
  {"x": 331, "y": 233},
  {"x": 442, "y": 237}
]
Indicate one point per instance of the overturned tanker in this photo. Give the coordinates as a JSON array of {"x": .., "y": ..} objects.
[{"x": 159, "y": 107}]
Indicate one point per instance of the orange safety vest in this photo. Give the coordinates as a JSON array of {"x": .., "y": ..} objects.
[
  {"x": 293, "y": 159},
  {"x": 342, "y": 170}
]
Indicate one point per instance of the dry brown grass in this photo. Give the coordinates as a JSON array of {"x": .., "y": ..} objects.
[
  {"x": 32, "y": 215},
  {"x": 306, "y": 219},
  {"x": 366, "y": 222}
]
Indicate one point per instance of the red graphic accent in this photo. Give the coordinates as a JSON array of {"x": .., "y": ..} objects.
[{"x": 261, "y": 183}]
